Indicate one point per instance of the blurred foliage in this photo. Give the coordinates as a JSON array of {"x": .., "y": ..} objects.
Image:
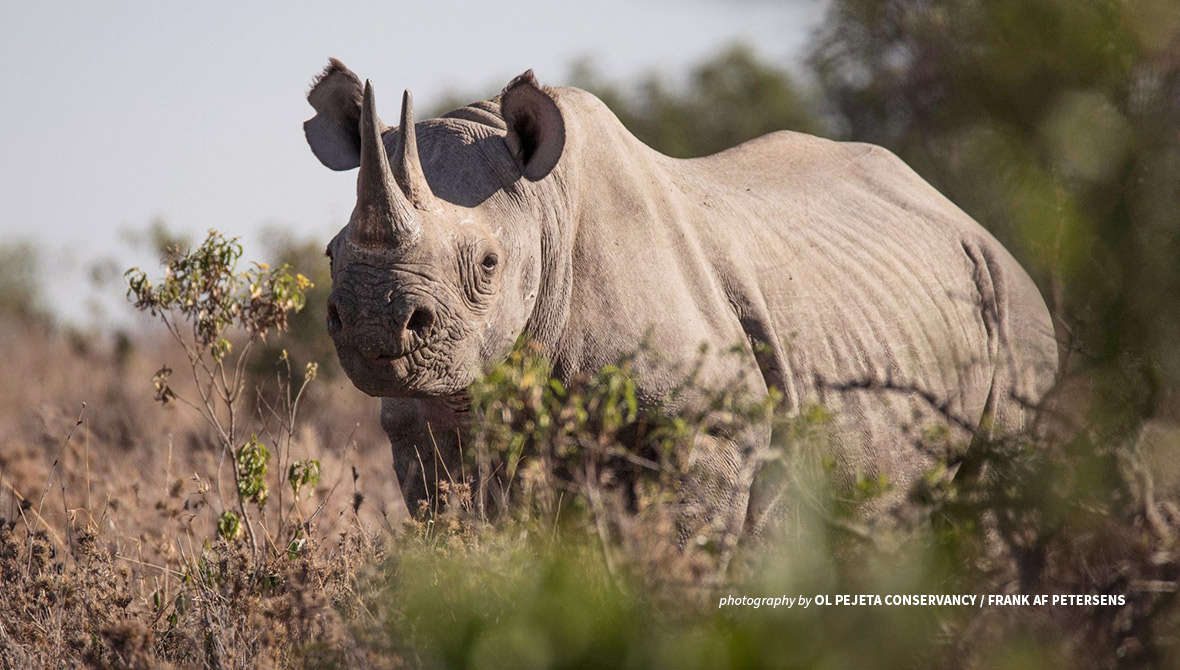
[
  {"x": 157, "y": 238},
  {"x": 733, "y": 97},
  {"x": 20, "y": 275},
  {"x": 1055, "y": 124},
  {"x": 505, "y": 605}
]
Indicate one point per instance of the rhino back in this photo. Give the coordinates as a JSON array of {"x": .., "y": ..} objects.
[{"x": 855, "y": 272}]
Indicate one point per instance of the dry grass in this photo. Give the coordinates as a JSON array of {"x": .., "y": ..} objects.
[{"x": 110, "y": 504}]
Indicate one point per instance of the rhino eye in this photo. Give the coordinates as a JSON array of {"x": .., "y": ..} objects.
[{"x": 489, "y": 262}]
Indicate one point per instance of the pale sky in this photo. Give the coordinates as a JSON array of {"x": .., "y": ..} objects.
[{"x": 115, "y": 113}]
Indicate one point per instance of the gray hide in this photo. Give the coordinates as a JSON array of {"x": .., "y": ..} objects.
[{"x": 537, "y": 212}]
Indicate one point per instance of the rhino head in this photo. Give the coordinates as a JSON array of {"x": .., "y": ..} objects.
[{"x": 438, "y": 270}]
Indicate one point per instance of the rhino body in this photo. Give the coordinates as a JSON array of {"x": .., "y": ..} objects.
[{"x": 845, "y": 278}]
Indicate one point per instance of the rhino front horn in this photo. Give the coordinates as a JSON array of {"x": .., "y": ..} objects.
[
  {"x": 407, "y": 168},
  {"x": 383, "y": 216}
]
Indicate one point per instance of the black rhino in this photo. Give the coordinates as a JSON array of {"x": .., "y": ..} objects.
[{"x": 538, "y": 213}]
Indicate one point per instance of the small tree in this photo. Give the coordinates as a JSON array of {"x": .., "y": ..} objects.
[{"x": 201, "y": 298}]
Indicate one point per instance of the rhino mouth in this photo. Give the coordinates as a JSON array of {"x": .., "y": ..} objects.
[
  {"x": 417, "y": 371},
  {"x": 386, "y": 359},
  {"x": 410, "y": 345},
  {"x": 381, "y": 355}
]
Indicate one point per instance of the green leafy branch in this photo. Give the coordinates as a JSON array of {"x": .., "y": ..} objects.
[{"x": 201, "y": 298}]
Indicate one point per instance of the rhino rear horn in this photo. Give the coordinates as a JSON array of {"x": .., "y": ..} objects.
[
  {"x": 536, "y": 129},
  {"x": 407, "y": 167},
  {"x": 383, "y": 217}
]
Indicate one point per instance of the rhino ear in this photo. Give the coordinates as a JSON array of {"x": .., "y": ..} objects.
[
  {"x": 536, "y": 131},
  {"x": 334, "y": 132}
]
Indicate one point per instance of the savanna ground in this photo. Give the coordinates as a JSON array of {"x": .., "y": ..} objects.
[{"x": 141, "y": 529}]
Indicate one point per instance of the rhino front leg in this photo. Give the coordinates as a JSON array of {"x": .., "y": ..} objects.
[
  {"x": 424, "y": 435},
  {"x": 716, "y": 492}
]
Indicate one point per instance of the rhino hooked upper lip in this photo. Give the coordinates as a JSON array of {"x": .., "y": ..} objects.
[
  {"x": 377, "y": 355},
  {"x": 384, "y": 359}
]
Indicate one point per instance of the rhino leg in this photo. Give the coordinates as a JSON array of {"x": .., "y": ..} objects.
[
  {"x": 716, "y": 491},
  {"x": 1024, "y": 345},
  {"x": 424, "y": 435}
]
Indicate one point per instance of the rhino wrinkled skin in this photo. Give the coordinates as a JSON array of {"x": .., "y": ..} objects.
[{"x": 538, "y": 213}]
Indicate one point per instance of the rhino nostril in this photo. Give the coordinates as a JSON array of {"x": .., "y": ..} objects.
[
  {"x": 420, "y": 321},
  {"x": 334, "y": 323}
]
